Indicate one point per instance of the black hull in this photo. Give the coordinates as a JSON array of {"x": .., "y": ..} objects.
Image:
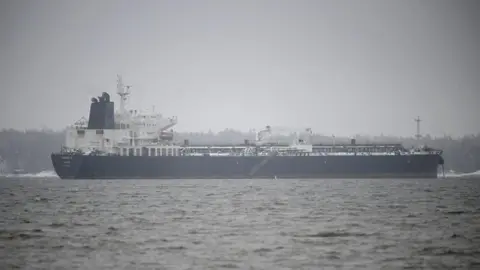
[{"x": 200, "y": 167}]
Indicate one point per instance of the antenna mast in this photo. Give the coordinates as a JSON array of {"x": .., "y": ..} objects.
[
  {"x": 418, "y": 135},
  {"x": 123, "y": 91}
]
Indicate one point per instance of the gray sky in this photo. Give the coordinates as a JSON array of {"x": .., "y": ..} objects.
[{"x": 342, "y": 67}]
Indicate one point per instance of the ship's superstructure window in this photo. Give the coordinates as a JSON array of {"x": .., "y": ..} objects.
[
  {"x": 99, "y": 131},
  {"x": 121, "y": 126}
]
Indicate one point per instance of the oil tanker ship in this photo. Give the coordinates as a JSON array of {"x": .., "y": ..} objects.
[{"x": 128, "y": 144}]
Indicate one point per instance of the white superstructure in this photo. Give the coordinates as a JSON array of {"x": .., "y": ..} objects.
[{"x": 134, "y": 129}]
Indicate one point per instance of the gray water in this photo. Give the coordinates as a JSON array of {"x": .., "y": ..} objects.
[{"x": 240, "y": 224}]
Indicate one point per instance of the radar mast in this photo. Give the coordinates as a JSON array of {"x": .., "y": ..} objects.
[
  {"x": 123, "y": 91},
  {"x": 418, "y": 135}
]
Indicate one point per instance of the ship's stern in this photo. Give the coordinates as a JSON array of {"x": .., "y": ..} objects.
[{"x": 66, "y": 166}]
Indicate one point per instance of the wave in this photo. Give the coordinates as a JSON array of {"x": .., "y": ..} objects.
[
  {"x": 52, "y": 174},
  {"x": 453, "y": 174},
  {"x": 42, "y": 174}
]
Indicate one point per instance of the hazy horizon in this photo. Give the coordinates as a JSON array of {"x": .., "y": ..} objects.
[
  {"x": 317, "y": 133},
  {"x": 339, "y": 67}
]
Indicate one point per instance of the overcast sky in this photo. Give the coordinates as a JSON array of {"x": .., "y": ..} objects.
[{"x": 341, "y": 67}]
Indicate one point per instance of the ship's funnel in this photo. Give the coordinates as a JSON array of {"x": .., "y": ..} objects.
[{"x": 101, "y": 113}]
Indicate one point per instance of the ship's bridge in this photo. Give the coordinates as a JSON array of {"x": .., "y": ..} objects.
[
  {"x": 106, "y": 130},
  {"x": 140, "y": 120}
]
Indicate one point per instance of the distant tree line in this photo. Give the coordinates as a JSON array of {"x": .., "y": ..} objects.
[{"x": 30, "y": 150}]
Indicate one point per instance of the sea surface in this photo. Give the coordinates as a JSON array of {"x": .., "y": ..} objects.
[{"x": 48, "y": 223}]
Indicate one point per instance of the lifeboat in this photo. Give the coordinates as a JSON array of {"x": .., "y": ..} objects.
[{"x": 166, "y": 135}]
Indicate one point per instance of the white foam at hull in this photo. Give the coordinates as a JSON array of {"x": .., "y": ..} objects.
[
  {"x": 43, "y": 174},
  {"x": 453, "y": 174}
]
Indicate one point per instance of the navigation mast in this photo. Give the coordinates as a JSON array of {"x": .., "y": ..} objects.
[
  {"x": 418, "y": 135},
  {"x": 123, "y": 91}
]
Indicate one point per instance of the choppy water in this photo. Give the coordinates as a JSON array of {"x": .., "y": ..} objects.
[{"x": 240, "y": 224}]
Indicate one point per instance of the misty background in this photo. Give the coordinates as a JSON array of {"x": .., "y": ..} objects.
[
  {"x": 30, "y": 150},
  {"x": 340, "y": 67}
]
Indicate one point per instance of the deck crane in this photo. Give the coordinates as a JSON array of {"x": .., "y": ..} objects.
[{"x": 271, "y": 134}]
